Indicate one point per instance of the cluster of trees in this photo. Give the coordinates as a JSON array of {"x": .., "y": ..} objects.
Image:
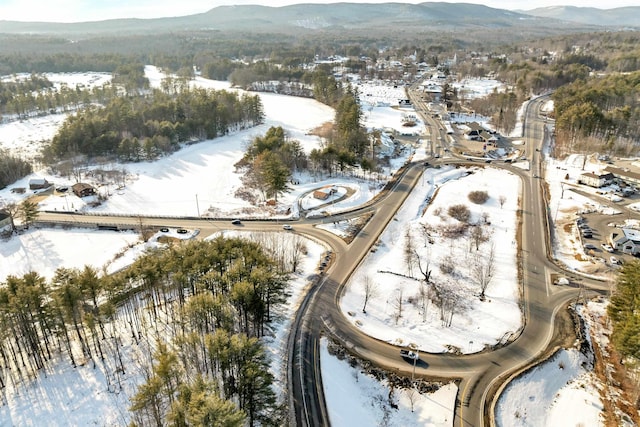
[
  {"x": 36, "y": 96},
  {"x": 603, "y": 108},
  {"x": 12, "y": 168},
  {"x": 624, "y": 311},
  {"x": 446, "y": 292},
  {"x": 270, "y": 160},
  {"x": 140, "y": 127},
  {"x": 348, "y": 143},
  {"x": 202, "y": 306},
  {"x": 27, "y": 212}
]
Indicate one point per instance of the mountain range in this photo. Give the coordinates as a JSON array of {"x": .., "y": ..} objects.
[{"x": 435, "y": 16}]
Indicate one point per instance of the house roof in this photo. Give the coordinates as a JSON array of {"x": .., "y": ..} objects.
[
  {"x": 623, "y": 173},
  {"x": 631, "y": 234},
  {"x": 80, "y": 186}
]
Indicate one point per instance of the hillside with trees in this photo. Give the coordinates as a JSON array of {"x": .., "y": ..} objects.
[{"x": 199, "y": 307}]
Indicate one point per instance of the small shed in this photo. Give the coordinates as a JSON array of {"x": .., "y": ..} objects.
[
  {"x": 83, "y": 189},
  {"x": 38, "y": 184},
  {"x": 324, "y": 192}
]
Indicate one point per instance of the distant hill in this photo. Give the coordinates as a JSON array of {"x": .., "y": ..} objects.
[
  {"x": 613, "y": 18},
  {"x": 399, "y": 17}
]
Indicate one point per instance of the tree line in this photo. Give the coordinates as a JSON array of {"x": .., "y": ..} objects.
[
  {"x": 12, "y": 168},
  {"x": 145, "y": 127},
  {"x": 199, "y": 307},
  {"x": 606, "y": 109}
]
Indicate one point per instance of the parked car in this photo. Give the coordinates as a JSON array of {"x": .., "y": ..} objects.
[
  {"x": 607, "y": 248},
  {"x": 182, "y": 231},
  {"x": 287, "y": 227},
  {"x": 590, "y": 247},
  {"x": 615, "y": 261},
  {"x": 236, "y": 222}
]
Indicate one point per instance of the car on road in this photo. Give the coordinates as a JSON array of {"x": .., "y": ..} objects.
[
  {"x": 287, "y": 227},
  {"x": 236, "y": 222},
  {"x": 607, "y": 248},
  {"x": 590, "y": 247},
  {"x": 409, "y": 354}
]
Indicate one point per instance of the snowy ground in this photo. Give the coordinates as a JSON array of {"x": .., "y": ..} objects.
[
  {"x": 562, "y": 391},
  {"x": 45, "y": 250},
  {"x": 159, "y": 187},
  {"x": 356, "y": 399},
  {"x": 475, "y": 324}
]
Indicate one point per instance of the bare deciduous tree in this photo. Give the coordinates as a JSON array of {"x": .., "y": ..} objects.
[
  {"x": 449, "y": 302},
  {"x": 370, "y": 291},
  {"x": 409, "y": 252},
  {"x": 502, "y": 199},
  {"x": 478, "y": 236},
  {"x": 425, "y": 294},
  {"x": 483, "y": 269},
  {"x": 397, "y": 306}
]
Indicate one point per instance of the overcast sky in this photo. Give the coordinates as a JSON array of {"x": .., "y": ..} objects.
[{"x": 96, "y": 10}]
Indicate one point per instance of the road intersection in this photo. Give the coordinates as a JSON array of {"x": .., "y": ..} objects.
[{"x": 481, "y": 376}]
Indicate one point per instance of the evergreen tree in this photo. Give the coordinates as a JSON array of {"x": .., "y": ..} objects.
[
  {"x": 28, "y": 212},
  {"x": 624, "y": 310}
]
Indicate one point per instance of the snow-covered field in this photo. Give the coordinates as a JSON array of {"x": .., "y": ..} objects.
[
  {"x": 200, "y": 179},
  {"x": 475, "y": 323}
]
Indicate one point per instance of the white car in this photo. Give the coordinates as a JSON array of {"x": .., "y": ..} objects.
[
  {"x": 607, "y": 248},
  {"x": 408, "y": 354},
  {"x": 614, "y": 261},
  {"x": 287, "y": 227}
]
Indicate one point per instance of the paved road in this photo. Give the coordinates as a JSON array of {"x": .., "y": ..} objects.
[{"x": 479, "y": 374}]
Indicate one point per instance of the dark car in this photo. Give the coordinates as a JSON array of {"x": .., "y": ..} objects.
[
  {"x": 182, "y": 231},
  {"x": 236, "y": 222}
]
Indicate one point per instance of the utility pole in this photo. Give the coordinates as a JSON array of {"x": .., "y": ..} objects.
[{"x": 197, "y": 205}]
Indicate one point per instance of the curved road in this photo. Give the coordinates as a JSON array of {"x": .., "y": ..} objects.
[{"x": 480, "y": 374}]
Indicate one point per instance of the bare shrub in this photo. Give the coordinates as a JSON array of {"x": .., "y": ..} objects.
[
  {"x": 454, "y": 231},
  {"x": 459, "y": 212},
  {"x": 447, "y": 265},
  {"x": 478, "y": 197}
]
